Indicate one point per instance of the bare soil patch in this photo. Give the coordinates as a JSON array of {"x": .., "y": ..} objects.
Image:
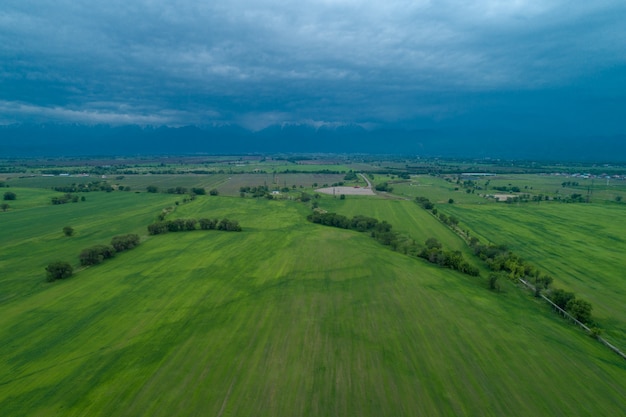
[{"x": 346, "y": 191}]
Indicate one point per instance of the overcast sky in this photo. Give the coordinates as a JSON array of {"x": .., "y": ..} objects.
[{"x": 537, "y": 66}]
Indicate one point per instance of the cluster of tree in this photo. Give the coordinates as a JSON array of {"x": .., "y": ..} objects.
[
  {"x": 84, "y": 187},
  {"x": 185, "y": 225},
  {"x": 424, "y": 203},
  {"x": 575, "y": 198},
  {"x": 449, "y": 220},
  {"x": 569, "y": 184},
  {"x": 433, "y": 252},
  {"x": 96, "y": 254},
  {"x": 383, "y": 186},
  {"x": 579, "y": 309},
  {"x": 256, "y": 191},
  {"x": 305, "y": 197},
  {"x": 9, "y": 196},
  {"x": 358, "y": 223},
  {"x": 380, "y": 231},
  {"x": 58, "y": 270},
  {"x": 504, "y": 188},
  {"x": 99, "y": 253},
  {"x": 66, "y": 198},
  {"x": 125, "y": 242},
  {"x": 500, "y": 259},
  {"x": 350, "y": 176},
  {"x": 177, "y": 190}
]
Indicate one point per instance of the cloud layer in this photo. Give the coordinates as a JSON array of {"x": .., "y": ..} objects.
[{"x": 256, "y": 63}]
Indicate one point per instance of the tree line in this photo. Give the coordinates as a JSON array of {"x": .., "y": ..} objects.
[
  {"x": 503, "y": 262},
  {"x": 194, "y": 191},
  {"x": 433, "y": 252},
  {"x": 66, "y": 198},
  {"x": 186, "y": 225},
  {"x": 382, "y": 232},
  {"x": 92, "y": 256},
  {"x": 84, "y": 187}
]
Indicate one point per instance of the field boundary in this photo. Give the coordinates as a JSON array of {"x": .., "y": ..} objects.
[
  {"x": 465, "y": 236},
  {"x": 572, "y": 318}
]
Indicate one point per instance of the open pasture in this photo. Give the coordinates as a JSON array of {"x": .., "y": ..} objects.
[
  {"x": 285, "y": 318},
  {"x": 33, "y": 231},
  {"x": 302, "y": 182},
  {"x": 581, "y": 245},
  {"x": 405, "y": 216},
  {"x": 437, "y": 189}
]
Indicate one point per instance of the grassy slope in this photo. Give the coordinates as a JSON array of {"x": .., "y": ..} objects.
[
  {"x": 288, "y": 318},
  {"x": 32, "y": 232},
  {"x": 581, "y": 245},
  {"x": 405, "y": 216}
]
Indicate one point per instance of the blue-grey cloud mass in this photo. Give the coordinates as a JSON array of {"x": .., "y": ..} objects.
[{"x": 538, "y": 67}]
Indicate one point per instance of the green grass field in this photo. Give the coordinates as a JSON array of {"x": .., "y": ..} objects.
[
  {"x": 285, "y": 318},
  {"x": 581, "y": 245}
]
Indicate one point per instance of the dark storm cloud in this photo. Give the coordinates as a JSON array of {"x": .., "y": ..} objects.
[{"x": 257, "y": 63}]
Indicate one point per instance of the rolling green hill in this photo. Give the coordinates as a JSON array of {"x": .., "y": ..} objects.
[{"x": 285, "y": 318}]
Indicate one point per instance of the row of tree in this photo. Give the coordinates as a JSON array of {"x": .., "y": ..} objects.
[
  {"x": 99, "y": 253},
  {"x": 66, "y": 198},
  {"x": 426, "y": 204},
  {"x": 182, "y": 190},
  {"x": 382, "y": 232},
  {"x": 185, "y": 225},
  {"x": 384, "y": 186},
  {"x": 504, "y": 262},
  {"x": 433, "y": 252},
  {"x": 91, "y": 256},
  {"x": 501, "y": 260},
  {"x": 84, "y": 187}
]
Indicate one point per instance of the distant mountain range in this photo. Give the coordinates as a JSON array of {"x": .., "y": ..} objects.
[{"x": 55, "y": 140}]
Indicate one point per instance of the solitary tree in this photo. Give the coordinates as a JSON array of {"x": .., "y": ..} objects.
[
  {"x": 9, "y": 195},
  {"x": 4, "y": 206},
  {"x": 214, "y": 191},
  {"x": 59, "y": 270},
  {"x": 68, "y": 231}
]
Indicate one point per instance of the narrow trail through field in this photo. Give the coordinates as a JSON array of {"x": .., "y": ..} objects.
[{"x": 369, "y": 184}]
